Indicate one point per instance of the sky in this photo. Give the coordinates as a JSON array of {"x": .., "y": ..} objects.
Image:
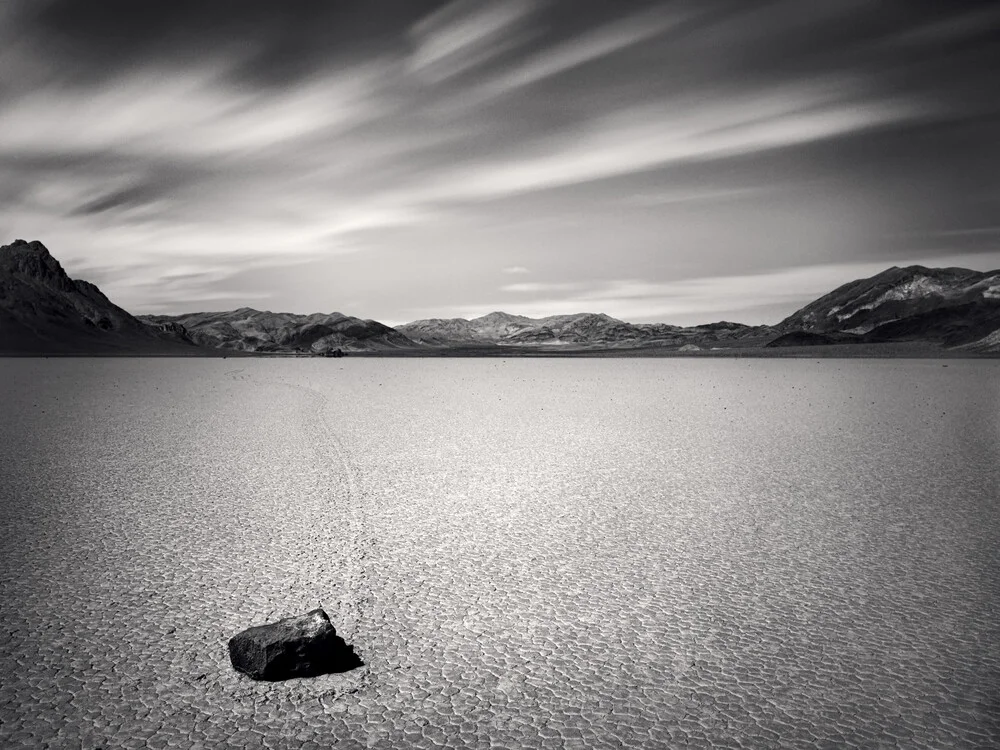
[{"x": 679, "y": 162}]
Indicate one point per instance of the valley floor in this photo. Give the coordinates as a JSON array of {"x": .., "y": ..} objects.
[{"x": 571, "y": 553}]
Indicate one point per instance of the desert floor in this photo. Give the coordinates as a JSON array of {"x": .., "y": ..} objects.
[{"x": 525, "y": 553}]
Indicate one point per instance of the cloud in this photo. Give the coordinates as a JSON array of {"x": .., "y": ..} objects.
[
  {"x": 666, "y": 198},
  {"x": 154, "y": 283},
  {"x": 533, "y": 287},
  {"x": 645, "y": 137},
  {"x": 464, "y": 34},
  {"x": 969, "y": 232},
  {"x": 977, "y": 22},
  {"x": 185, "y": 113},
  {"x": 109, "y": 202},
  {"x": 592, "y": 45},
  {"x": 265, "y": 44},
  {"x": 379, "y": 139},
  {"x": 137, "y": 197}
]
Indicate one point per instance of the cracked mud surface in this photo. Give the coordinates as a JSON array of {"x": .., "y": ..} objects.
[{"x": 525, "y": 553}]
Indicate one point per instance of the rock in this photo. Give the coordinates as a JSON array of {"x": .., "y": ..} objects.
[
  {"x": 301, "y": 646},
  {"x": 690, "y": 348}
]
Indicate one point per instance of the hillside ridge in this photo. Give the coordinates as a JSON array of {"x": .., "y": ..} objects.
[{"x": 43, "y": 310}]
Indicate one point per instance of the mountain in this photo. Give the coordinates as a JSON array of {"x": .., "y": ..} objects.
[
  {"x": 504, "y": 328},
  {"x": 579, "y": 331},
  {"x": 261, "y": 331},
  {"x": 44, "y": 311},
  {"x": 942, "y": 307},
  {"x": 809, "y": 338},
  {"x": 988, "y": 343},
  {"x": 947, "y": 306}
]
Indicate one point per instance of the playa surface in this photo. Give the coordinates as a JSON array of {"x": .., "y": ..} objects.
[{"x": 525, "y": 553}]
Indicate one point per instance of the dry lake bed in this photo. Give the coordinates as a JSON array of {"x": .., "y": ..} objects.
[{"x": 578, "y": 553}]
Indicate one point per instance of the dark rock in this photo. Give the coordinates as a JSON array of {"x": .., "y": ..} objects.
[{"x": 301, "y": 646}]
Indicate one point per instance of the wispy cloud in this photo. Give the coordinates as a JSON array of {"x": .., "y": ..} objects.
[
  {"x": 666, "y": 198},
  {"x": 646, "y": 137},
  {"x": 388, "y": 155},
  {"x": 967, "y": 232},
  {"x": 950, "y": 28},
  {"x": 593, "y": 45},
  {"x": 534, "y": 287},
  {"x": 185, "y": 113},
  {"x": 464, "y": 34}
]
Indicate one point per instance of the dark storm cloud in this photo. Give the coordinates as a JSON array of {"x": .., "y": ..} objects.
[{"x": 619, "y": 154}]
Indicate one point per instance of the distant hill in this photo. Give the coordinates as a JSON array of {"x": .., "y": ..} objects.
[
  {"x": 947, "y": 306},
  {"x": 261, "y": 331},
  {"x": 44, "y": 311},
  {"x": 579, "y": 331}
]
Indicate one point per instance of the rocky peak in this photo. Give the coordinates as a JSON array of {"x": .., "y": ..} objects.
[
  {"x": 42, "y": 310},
  {"x": 33, "y": 261}
]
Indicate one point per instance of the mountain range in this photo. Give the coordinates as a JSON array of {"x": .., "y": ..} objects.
[
  {"x": 580, "y": 331},
  {"x": 251, "y": 330},
  {"x": 43, "y": 311}
]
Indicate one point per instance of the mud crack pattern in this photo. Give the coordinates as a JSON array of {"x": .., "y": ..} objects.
[{"x": 584, "y": 553}]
